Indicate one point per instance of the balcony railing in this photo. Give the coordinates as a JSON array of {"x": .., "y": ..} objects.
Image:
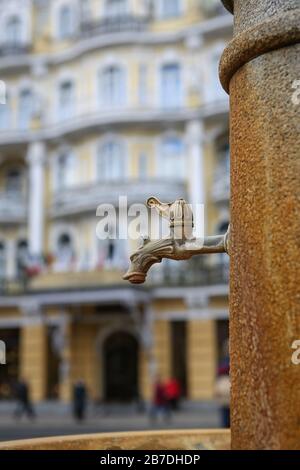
[
  {"x": 13, "y": 49},
  {"x": 13, "y": 286},
  {"x": 13, "y": 207},
  {"x": 87, "y": 198},
  {"x": 195, "y": 272},
  {"x": 114, "y": 24}
]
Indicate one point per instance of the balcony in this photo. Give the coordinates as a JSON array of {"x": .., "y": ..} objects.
[
  {"x": 13, "y": 208},
  {"x": 114, "y": 24},
  {"x": 192, "y": 273},
  {"x": 220, "y": 192},
  {"x": 89, "y": 118},
  {"x": 7, "y": 49},
  {"x": 87, "y": 198}
]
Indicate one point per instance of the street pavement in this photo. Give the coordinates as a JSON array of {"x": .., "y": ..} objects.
[{"x": 54, "y": 420}]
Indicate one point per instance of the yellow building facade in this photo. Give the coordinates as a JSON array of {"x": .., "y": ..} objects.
[{"x": 102, "y": 99}]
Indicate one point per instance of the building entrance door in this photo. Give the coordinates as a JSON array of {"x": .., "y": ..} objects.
[{"x": 120, "y": 367}]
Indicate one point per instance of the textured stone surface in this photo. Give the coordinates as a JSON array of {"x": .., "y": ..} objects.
[
  {"x": 265, "y": 240},
  {"x": 154, "y": 440},
  {"x": 279, "y": 31},
  {"x": 248, "y": 13}
]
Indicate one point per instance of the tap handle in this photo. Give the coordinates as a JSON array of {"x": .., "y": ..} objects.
[
  {"x": 178, "y": 213},
  {"x": 163, "y": 208}
]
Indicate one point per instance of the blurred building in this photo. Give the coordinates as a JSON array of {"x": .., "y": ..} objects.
[{"x": 107, "y": 98}]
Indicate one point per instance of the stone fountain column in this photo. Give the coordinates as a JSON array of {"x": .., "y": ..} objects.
[{"x": 260, "y": 69}]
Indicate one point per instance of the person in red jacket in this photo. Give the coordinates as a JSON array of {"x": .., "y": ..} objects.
[
  {"x": 159, "y": 402},
  {"x": 173, "y": 392}
]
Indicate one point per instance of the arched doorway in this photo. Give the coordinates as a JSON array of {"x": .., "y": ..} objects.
[{"x": 120, "y": 366}]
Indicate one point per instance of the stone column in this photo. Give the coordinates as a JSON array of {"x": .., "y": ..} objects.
[
  {"x": 259, "y": 68},
  {"x": 201, "y": 358},
  {"x": 33, "y": 351},
  {"x": 36, "y": 160},
  {"x": 65, "y": 379}
]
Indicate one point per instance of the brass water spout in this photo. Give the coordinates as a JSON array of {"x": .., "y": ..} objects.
[{"x": 180, "y": 244}]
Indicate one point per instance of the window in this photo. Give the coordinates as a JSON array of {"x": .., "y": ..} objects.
[
  {"x": 13, "y": 32},
  {"x": 112, "y": 87},
  {"x": 143, "y": 85},
  {"x": 214, "y": 85},
  {"x": 65, "y": 252},
  {"x": 111, "y": 164},
  {"x": 172, "y": 159},
  {"x": 115, "y": 7},
  {"x": 65, "y": 22},
  {"x": 25, "y": 108},
  {"x": 143, "y": 166},
  {"x": 85, "y": 10},
  {"x": 64, "y": 171},
  {"x": 22, "y": 257},
  {"x": 111, "y": 253},
  {"x": 5, "y": 114},
  {"x": 2, "y": 260},
  {"x": 221, "y": 177},
  {"x": 170, "y": 8},
  {"x": 224, "y": 158},
  {"x": 171, "y": 86},
  {"x": 13, "y": 181},
  {"x": 66, "y": 100}
]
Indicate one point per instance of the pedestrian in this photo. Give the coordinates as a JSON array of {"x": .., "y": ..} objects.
[
  {"x": 79, "y": 400},
  {"x": 24, "y": 404},
  {"x": 160, "y": 405},
  {"x": 173, "y": 393},
  {"x": 222, "y": 389}
]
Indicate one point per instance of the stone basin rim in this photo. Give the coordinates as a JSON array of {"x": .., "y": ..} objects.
[{"x": 21, "y": 444}]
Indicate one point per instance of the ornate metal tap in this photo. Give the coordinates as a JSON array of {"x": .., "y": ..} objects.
[{"x": 179, "y": 244}]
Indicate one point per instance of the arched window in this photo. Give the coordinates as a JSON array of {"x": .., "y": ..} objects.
[
  {"x": 64, "y": 171},
  {"x": 25, "y": 108},
  {"x": 65, "y": 22},
  {"x": 111, "y": 250},
  {"x": 64, "y": 252},
  {"x": 171, "y": 163},
  {"x": 111, "y": 162},
  {"x": 13, "y": 181},
  {"x": 111, "y": 253},
  {"x": 2, "y": 260},
  {"x": 170, "y": 8},
  {"x": 115, "y": 7},
  {"x": 66, "y": 103},
  {"x": 112, "y": 86},
  {"x": 13, "y": 31},
  {"x": 171, "y": 86}
]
